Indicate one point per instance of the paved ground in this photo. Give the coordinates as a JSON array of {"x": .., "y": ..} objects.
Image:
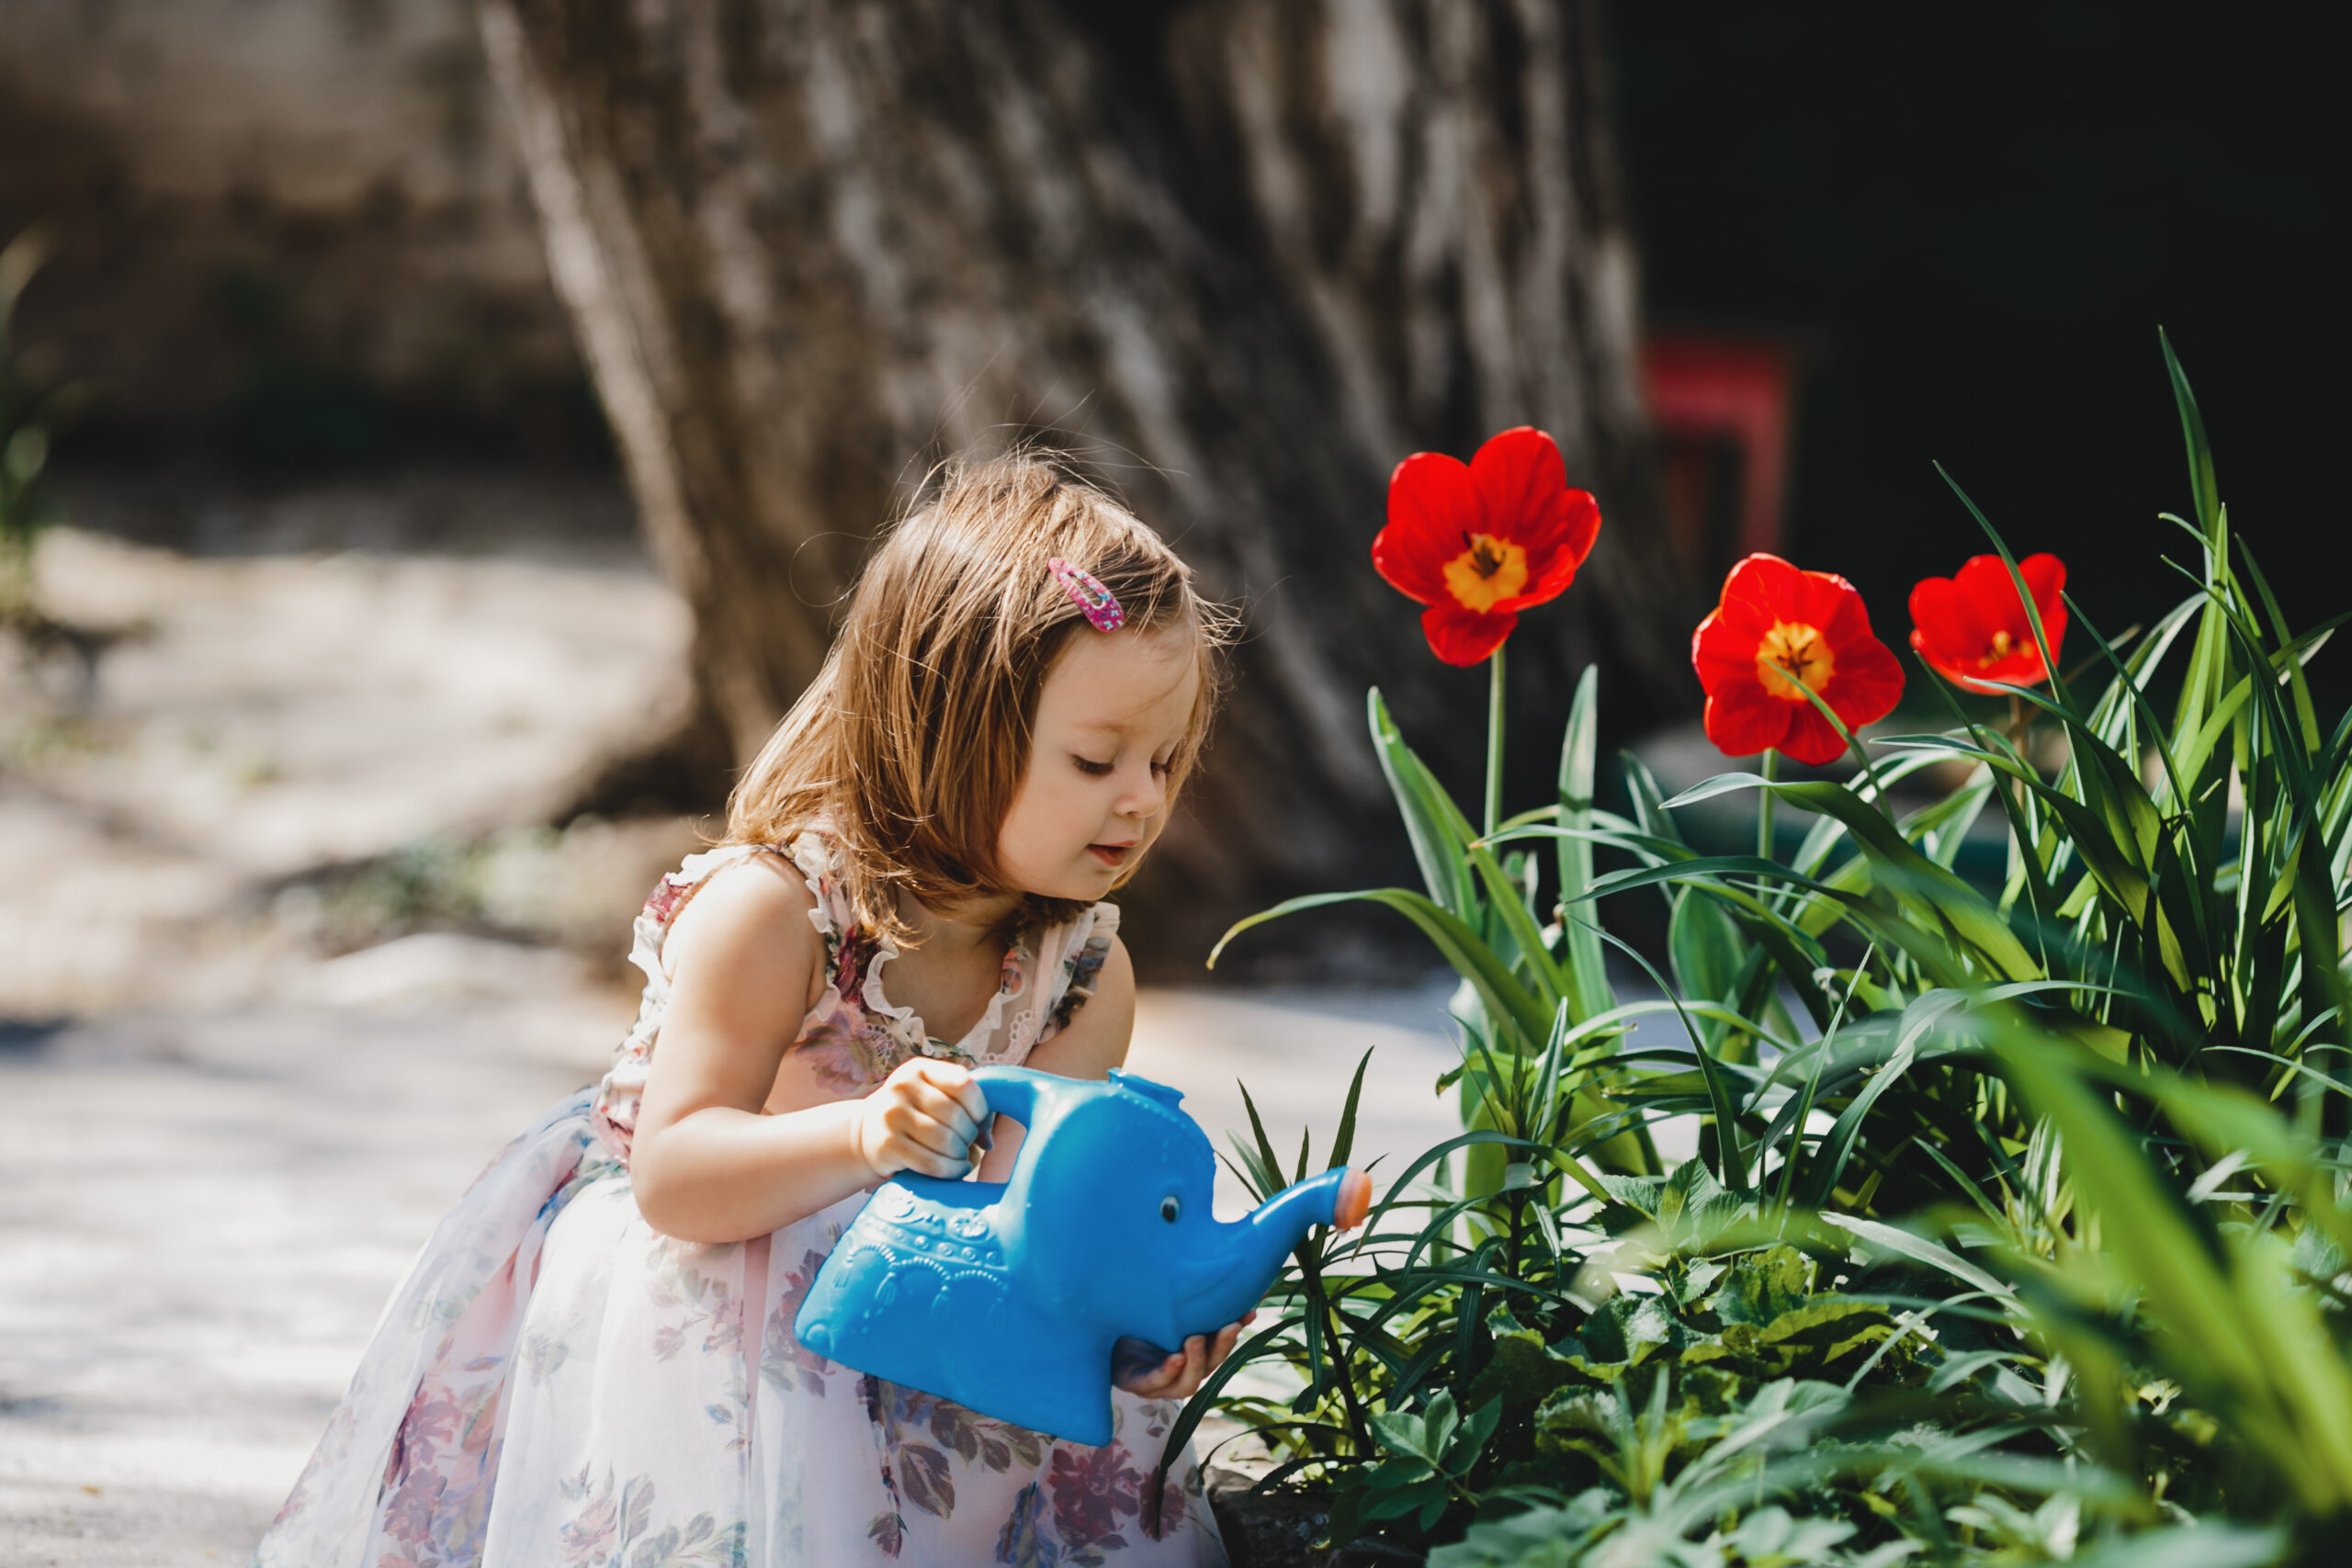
[{"x": 222, "y": 1142}]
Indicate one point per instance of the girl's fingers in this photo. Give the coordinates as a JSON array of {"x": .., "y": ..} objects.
[
  {"x": 938, "y": 1121},
  {"x": 1192, "y": 1368},
  {"x": 1163, "y": 1384},
  {"x": 1183, "y": 1373},
  {"x": 931, "y": 1147},
  {"x": 930, "y": 1163},
  {"x": 921, "y": 1113},
  {"x": 958, "y": 1084},
  {"x": 912, "y": 1123},
  {"x": 1156, "y": 1383},
  {"x": 966, "y": 1090}
]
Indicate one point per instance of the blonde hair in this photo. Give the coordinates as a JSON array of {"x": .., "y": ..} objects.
[{"x": 909, "y": 745}]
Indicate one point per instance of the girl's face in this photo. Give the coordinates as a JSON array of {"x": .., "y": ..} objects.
[{"x": 1113, "y": 710}]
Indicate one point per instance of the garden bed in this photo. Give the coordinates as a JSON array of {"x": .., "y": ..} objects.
[{"x": 2016, "y": 1230}]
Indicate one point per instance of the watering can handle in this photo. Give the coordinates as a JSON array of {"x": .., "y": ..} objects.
[{"x": 1016, "y": 1093}]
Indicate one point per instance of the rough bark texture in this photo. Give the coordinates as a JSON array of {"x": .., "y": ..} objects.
[{"x": 1244, "y": 257}]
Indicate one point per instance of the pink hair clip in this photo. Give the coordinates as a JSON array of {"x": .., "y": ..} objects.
[{"x": 1086, "y": 591}]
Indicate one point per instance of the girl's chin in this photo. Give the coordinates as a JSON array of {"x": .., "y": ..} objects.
[
  {"x": 1084, "y": 879},
  {"x": 1095, "y": 873}
]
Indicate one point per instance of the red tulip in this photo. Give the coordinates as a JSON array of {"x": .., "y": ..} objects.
[
  {"x": 1480, "y": 542},
  {"x": 1971, "y": 628},
  {"x": 1776, "y": 623}
]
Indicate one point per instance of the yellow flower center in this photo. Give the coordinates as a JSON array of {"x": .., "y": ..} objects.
[
  {"x": 1490, "y": 570},
  {"x": 1794, "y": 648},
  {"x": 2002, "y": 645}
]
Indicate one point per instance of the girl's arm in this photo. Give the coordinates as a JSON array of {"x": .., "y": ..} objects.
[
  {"x": 1095, "y": 1042},
  {"x": 706, "y": 1163}
]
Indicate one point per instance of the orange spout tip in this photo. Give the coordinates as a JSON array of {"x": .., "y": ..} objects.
[{"x": 1354, "y": 1201}]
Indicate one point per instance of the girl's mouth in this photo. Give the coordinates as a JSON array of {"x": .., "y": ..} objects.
[{"x": 1110, "y": 854}]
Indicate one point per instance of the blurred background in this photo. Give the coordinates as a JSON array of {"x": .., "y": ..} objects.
[{"x": 435, "y": 436}]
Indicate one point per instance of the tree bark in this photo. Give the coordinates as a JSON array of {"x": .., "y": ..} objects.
[{"x": 1242, "y": 256}]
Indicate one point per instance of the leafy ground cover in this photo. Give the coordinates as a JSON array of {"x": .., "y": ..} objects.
[{"x": 2018, "y": 1227}]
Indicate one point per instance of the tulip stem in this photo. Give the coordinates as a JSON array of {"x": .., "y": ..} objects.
[
  {"x": 1764, "y": 805},
  {"x": 1494, "y": 741}
]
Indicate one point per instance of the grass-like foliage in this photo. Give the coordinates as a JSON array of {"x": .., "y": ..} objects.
[{"x": 2018, "y": 1227}]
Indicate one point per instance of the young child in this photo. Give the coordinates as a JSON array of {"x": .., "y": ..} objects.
[{"x": 593, "y": 1361}]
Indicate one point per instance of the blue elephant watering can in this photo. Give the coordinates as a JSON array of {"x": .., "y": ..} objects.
[{"x": 1010, "y": 1298}]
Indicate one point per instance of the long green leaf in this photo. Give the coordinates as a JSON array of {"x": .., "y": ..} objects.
[
  {"x": 1437, "y": 830},
  {"x": 1343, "y": 1142},
  {"x": 1508, "y": 901},
  {"x": 1506, "y": 998},
  {"x": 1586, "y": 971},
  {"x": 1918, "y": 882}
]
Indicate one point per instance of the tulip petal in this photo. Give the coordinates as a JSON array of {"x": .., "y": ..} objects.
[
  {"x": 2045, "y": 579},
  {"x": 1554, "y": 559},
  {"x": 1724, "y": 648},
  {"x": 1829, "y": 601},
  {"x": 1983, "y": 582},
  {"x": 1765, "y": 583},
  {"x": 1932, "y": 650},
  {"x": 1811, "y": 739},
  {"x": 2022, "y": 668},
  {"x": 1433, "y": 507},
  {"x": 1522, "y": 484},
  {"x": 1868, "y": 683},
  {"x": 1743, "y": 719},
  {"x": 1466, "y": 636},
  {"x": 1945, "y": 625}
]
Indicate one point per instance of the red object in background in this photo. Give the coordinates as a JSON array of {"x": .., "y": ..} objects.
[
  {"x": 1481, "y": 541},
  {"x": 1706, "y": 392},
  {"x": 1971, "y": 626},
  {"x": 1775, "y": 622}
]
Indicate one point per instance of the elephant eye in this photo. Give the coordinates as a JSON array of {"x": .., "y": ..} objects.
[{"x": 1169, "y": 1209}]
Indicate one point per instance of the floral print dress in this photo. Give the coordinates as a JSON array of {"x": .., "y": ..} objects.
[{"x": 556, "y": 1383}]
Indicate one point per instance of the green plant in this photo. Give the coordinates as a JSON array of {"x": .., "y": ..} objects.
[
  {"x": 2185, "y": 1309},
  {"x": 2043, "y": 1179}
]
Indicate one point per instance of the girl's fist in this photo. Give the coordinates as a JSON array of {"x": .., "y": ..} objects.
[
  {"x": 1182, "y": 1374},
  {"x": 925, "y": 1118}
]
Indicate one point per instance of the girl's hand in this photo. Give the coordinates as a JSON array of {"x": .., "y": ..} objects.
[
  {"x": 925, "y": 1118},
  {"x": 1180, "y": 1376}
]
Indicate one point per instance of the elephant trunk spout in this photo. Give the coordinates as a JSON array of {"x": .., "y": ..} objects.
[{"x": 1251, "y": 1250}]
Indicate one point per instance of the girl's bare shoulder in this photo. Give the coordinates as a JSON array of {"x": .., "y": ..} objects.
[{"x": 749, "y": 919}]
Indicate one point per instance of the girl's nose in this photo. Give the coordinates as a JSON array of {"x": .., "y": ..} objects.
[{"x": 1145, "y": 794}]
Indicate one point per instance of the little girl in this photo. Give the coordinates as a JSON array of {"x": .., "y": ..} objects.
[{"x": 592, "y": 1360}]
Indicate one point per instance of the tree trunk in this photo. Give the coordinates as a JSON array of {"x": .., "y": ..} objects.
[{"x": 1242, "y": 257}]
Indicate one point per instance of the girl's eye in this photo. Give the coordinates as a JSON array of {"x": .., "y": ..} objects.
[
  {"x": 1091, "y": 768},
  {"x": 1161, "y": 768}
]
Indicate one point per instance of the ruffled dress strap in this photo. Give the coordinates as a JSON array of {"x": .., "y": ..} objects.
[
  {"x": 855, "y": 1037},
  {"x": 1050, "y": 973},
  {"x": 1072, "y": 955}
]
